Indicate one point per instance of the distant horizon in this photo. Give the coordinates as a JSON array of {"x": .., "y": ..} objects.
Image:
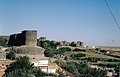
[
  {"x": 84, "y": 20},
  {"x": 60, "y": 40}
]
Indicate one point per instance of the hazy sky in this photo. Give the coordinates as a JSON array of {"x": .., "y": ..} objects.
[{"x": 87, "y": 20}]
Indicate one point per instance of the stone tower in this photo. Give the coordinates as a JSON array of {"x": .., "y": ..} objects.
[
  {"x": 30, "y": 37},
  {"x": 27, "y": 37}
]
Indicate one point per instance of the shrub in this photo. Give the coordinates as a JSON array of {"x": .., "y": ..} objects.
[
  {"x": 77, "y": 56},
  {"x": 11, "y": 55}
]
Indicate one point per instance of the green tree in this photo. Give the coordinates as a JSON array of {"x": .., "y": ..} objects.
[
  {"x": 86, "y": 71},
  {"x": 3, "y": 42},
  {"x": 66, "y": 58},
  {"x": 77, "y": 50},
  {"x": 73, "y": 44},
  {"x": 77, "y": 56},
  {"x": 49, "y": 46},
  {"x": 61, "y": 74},
  {"x": 11, "y": 55},
  {"x": 61, "y": 51},
  {"x": 71, "y": 68},
  {"x": 39, "y": 73},
  {"x": 82, "y": 69},
  {"x": 21, "y": 68},
  {"x": 48, "y": 53}
]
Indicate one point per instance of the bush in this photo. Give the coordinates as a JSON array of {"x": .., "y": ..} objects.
[
  {"x": 103, "y": 51},
  {"x": 23, "y": 68},
  {"x": 3, "y": 42},
  {"x": 46, "y": 44},
  {"x": 115, "y": 56},
  {"x": 77, "y": 56},
  {"x": 77, "y": 50},
  {"x": 11, "y": 55},
  {"x": 73, "y": 44},
  {"x": 49, "y": 53},
  {"x": 20, "y": 68},
  {"x": 93, "y": 59},
  {"x": 61, "y": 51},
  {"x": 66, "y": 58}
]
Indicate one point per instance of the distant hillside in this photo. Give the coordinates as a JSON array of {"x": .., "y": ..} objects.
[{"x": 109, "y": 48}]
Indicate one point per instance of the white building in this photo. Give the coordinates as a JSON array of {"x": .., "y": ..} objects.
[
  {"x": 41, "y": 63},
  {"x": 45, "y": 66}
]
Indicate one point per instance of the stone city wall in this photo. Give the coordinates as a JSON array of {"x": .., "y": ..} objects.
[{"x": 27, "y": 37}]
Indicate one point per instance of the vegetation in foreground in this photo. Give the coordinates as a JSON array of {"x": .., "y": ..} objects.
[
  {"x": 75, "y": 64},
  {"x": 81, "y": 69},
  {"x": 23, "y": 68}
]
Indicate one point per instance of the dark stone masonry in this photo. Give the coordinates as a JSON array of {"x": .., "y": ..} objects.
[{"x": 27, "y": 37}]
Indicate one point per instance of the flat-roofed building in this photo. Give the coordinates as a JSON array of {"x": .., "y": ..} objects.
[{"x": 45, "y": 66}]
